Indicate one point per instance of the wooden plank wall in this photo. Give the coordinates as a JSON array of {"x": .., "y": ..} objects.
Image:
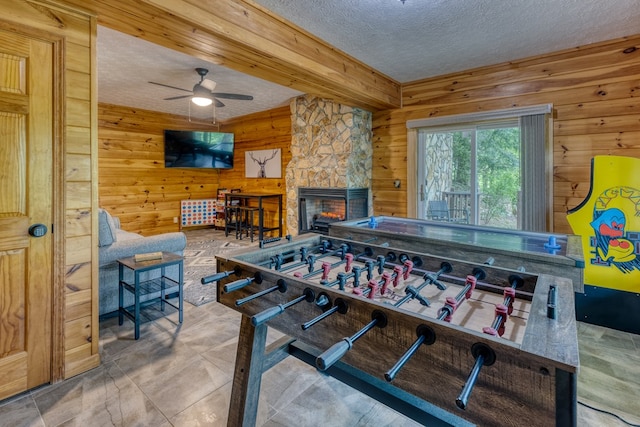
[
  {"x": 134, "y": 184},
  {"x": 81, "y": 256},
  {"x": 261, "y": 131},
  {"x": 593, "y": 90},
  {"x": 75, "y": 342}
]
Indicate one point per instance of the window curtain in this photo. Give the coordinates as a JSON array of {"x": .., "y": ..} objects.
[{"x": 533, "y": 132}]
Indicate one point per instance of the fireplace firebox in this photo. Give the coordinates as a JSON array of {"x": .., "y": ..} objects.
[{"x": 319, "y": 207}]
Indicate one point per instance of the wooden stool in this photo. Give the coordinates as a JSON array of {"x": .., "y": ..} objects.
[
  {"x": 231, "y": 219},
  {"x": 245, "y": 220}
]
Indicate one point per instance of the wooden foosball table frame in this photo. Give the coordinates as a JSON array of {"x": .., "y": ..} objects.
[{"x": 532, "y": 382}]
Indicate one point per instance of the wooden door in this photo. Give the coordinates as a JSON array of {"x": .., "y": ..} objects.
[{"x": 26, "y": 154}]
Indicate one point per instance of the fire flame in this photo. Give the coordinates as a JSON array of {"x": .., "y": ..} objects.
[{"x": 332, "y": 215}]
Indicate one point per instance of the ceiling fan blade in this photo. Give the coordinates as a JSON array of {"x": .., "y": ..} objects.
[
  {"x": 177, "y": 97},
  {"x": 172, "y": 87},
  {"x": 232, "y": 96},
  {"x": 218, "y": 103}
]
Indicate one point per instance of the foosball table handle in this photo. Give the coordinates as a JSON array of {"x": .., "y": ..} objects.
[
  {"x": 339, "y": 349},
  {"x": 552, "y": 303},
  {"x": 239, "y": 284},
  {"x": 265, "y": 242},
  {"x": 220, "y": 276},
  {"x": 267, "y": 315},
  {"x": 333, "y": 354}
]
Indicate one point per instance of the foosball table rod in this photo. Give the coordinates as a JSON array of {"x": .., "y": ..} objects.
[
  {"x": 340, "y": 306},
  {"x": 281, "y": 286},
  {"x": 326, "y": 268},
  {"x": 276, "y": 261},
  {"x": 304, "y": 256},
  {"x": 254, "y": 358},
  {"x": 386, "y": 278},
  {"x": 356, "y": 271},
  {"x": 265, "y": 242},
  {"x": 311, "y": 262},
  {"x": 409, "y": 266},
  {"x": 447, "y": 310},
  {"x": 412, "y": 292},
  {"x": 258, "y": 319},
  {"x": 339, "y": 349},
  {"x": 484, "y": 356},
  {"x": 505, "y": 309},
  {"x": 381, "y": 260},
  {"x": 426, "y": 336}
]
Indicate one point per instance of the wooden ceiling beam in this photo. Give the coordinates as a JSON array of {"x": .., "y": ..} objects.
[{"x": 243, "y": 36}]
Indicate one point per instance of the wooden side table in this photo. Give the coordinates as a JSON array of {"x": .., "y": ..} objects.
[{"x": 149, "y": 291}]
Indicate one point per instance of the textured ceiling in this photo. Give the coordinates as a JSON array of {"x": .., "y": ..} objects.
[
  {"x": 127, "y": 64},
  {"x": 425, "y": 38},
  {"x": 407, "y": 42}
]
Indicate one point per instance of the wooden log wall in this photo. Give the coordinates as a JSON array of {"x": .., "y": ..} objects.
[
  {"x": 593, "y": 90},
  {"x": 75, "y": 311},
  {"x": 134, "y": 184}
]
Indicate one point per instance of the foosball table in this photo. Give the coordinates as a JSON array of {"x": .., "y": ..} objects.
[
  {"x": 555, "y": 254},
  {"x": 442, "y": 340}
]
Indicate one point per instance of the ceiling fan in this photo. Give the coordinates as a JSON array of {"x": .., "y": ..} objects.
[{"x": 202, "y": 93}]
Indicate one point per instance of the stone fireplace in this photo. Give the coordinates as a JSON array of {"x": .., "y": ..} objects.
[{"x": 331, "y": 148}]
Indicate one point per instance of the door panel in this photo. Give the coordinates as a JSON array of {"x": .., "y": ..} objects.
[{"x": 26, "y": 129}]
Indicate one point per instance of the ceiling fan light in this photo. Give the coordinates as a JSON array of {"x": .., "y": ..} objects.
[
  {"x": 201, "y": 96},
  {"x": 201, "y": 101}
]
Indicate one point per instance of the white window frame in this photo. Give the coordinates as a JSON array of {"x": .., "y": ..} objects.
[{"x": 413, "y": 188}]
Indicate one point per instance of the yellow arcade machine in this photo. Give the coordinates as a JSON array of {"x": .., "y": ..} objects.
[{"x": 608, "y": 221}]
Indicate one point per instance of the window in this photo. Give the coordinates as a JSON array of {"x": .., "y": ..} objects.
[{"x": 491, "y": 171}]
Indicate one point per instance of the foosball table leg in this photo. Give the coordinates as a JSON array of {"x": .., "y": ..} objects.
[
  {"x": 247, "y": 376},
  {"x": 252, "y": 359},
  {"x": 566, "y": 398}
]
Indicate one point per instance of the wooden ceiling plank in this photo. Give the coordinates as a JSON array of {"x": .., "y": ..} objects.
[
  {"x": 257, "y": 28},
  {"x": 199, "y": 44},
  {"x": 208, "y": 31}
]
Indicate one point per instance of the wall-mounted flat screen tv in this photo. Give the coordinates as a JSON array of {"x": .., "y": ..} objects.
[{"x": 198, "y": 149}]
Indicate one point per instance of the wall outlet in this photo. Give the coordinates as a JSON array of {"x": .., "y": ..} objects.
[{"x": 175, "y": 219}]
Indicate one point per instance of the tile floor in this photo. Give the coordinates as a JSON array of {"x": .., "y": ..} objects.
[{"x": 180, "y": 375}]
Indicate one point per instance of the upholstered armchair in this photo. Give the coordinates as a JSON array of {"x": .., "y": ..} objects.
[{"x": 115, "y": 243}]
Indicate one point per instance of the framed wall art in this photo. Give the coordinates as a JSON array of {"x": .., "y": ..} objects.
[{"x": 263, "y": 164}]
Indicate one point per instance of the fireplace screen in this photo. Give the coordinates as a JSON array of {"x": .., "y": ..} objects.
[{"x": 319, "y": 207}]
